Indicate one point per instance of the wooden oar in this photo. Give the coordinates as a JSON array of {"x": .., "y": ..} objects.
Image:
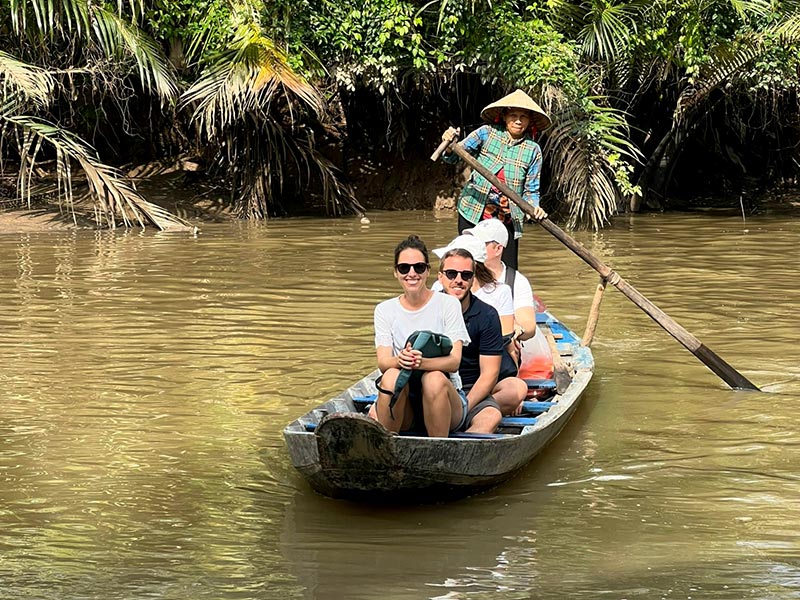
[{"x": 725, "y": 371}]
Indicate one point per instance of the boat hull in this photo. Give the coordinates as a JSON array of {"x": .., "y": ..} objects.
[{"x": 343, "y": 453}]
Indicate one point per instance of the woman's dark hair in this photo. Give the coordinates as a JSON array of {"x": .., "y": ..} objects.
[
  {"x": 412, "y": 242},
  {"x": 483, "y": 274}
]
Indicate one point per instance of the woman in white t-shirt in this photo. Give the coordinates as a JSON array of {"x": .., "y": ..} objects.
[{"x": 434, "y": 399}]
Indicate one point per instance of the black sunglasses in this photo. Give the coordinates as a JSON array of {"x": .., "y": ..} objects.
[
  {"x": 419, "y": 268},
  {"x": 451, "y": 274}
]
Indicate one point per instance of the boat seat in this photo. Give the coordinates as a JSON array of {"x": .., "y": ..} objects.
[
  {"x": 545, "y": 386},
  {"x": 478, "y": 436},
  {"x": 540, "y": 389},
  {"x": 536, "y": 408},
  {"x": 541, "y": 384},
  {"x": 517, "y": 421},
  {"x": 362, "y": 402},
  {"x": 530, "y": 407}
]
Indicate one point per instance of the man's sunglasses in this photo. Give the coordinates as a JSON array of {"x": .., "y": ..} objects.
[
  {"x": 419, "y": 268},
  {"x": 451, "y": 274}
]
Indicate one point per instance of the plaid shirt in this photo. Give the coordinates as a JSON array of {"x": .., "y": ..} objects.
[{"x": 495, "y": 149}]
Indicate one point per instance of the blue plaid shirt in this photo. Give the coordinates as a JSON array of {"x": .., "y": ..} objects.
[{"x": 495, "y": 149}]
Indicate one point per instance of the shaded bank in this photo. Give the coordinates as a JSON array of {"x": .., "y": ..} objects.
[{"x": 413, "y": 185}]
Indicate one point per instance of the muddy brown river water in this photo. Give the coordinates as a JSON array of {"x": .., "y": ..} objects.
[{"x": 145, "y": 379}]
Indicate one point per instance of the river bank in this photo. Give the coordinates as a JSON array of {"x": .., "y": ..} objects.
[{"x": 203, "y": 206}]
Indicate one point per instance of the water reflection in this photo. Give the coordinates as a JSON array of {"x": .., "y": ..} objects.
[{"x": 145, "y": 379}]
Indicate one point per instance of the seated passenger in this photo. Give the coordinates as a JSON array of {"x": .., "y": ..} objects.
[
  {"x": 534, "y": 358},
  {"x": 488, "y": 376},
  {"x": 433, "y": 400}
]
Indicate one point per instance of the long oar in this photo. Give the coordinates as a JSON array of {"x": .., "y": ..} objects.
[{"x": 726, "y": 372}]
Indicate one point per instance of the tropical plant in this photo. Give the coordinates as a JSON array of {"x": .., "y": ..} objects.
[
  {"x": 667, "y": 65},
  {"x": 74, "y": 55},
  {"x": 256, "y": 114}
]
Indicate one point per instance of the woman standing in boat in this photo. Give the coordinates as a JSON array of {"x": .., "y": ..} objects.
[
  {"x": 434, "y": 399},
  {"x": 505, "y": 146}
]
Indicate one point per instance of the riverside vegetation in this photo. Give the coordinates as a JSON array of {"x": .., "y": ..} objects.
[{"x": 306, "y": 105}]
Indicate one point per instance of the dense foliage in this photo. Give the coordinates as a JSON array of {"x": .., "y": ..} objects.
[{"x": 648, "y": 98}]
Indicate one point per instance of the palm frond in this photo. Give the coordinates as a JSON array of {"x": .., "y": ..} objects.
[
  {"x": 789, "y": 28},
  {"x": 72, "y": 15},
  {"x": 565, "y": 15},
  {"x": 727, "y": 60},
  {"x": 49, "y": 17},
  {"x": 745, "y": 8},
  {"x": 583, "y": 145},
  {"x": 118, "y": 38},
  {"x": 246, "y": 79},
  {"x": 30, "y": 81},
  {"x": 583, "y": 180},
  {"x": 265, "y": 157},
  {"x": 608, "y": 29},
  {"x": 111, "y": 193}
]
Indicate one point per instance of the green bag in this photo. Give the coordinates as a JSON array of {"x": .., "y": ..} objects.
[{"x": 432, "y": 345}]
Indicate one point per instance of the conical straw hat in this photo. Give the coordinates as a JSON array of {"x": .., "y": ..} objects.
[{"x": 517, "y": 99}]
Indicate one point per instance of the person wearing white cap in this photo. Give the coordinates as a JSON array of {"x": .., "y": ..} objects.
[
  {"x": 534, "y": 358},
  {"x": 484, "y": 285},
  {"x": 492, "y": 233},
  {"x": 506, "y": 147}
]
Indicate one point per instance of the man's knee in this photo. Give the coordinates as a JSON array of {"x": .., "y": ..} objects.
[
  {"x": 486, "y": 421},
  {"x": 512, "y": 386}
]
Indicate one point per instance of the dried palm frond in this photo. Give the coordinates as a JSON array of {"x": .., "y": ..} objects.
[
  {"x": 97, "y": 43},
  {"x": 119, "y": 38},
  {"x": 25, "y": 81},
  {"x": 89, "y": 29},
  {"x": 50, "y": 17},
  {"x": 245, "y": 79},
  {"x": 114, "y": 197}
]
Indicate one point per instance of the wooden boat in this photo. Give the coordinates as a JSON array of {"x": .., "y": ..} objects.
[{"x": 344, "y": 453}]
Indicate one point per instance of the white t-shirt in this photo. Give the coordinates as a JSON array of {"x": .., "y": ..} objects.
[
  {"x": 523, "y": 293},
  {"x": 442, "y": 314},
  {"x": 497, "y": 295}
]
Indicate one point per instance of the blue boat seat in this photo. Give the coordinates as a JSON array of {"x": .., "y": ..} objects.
[
  {"x": 541, "y": 384},
  {"x": 362, "y": 402},
  {"x": 536, "y": 408},
  {"x": 530, "y": 407},
  {"x": 517, "y": 421}
]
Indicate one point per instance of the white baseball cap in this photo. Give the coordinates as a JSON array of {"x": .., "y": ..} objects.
[
  {"x": 490, "y": 230},
  {"x": 470, "y": 243}
]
